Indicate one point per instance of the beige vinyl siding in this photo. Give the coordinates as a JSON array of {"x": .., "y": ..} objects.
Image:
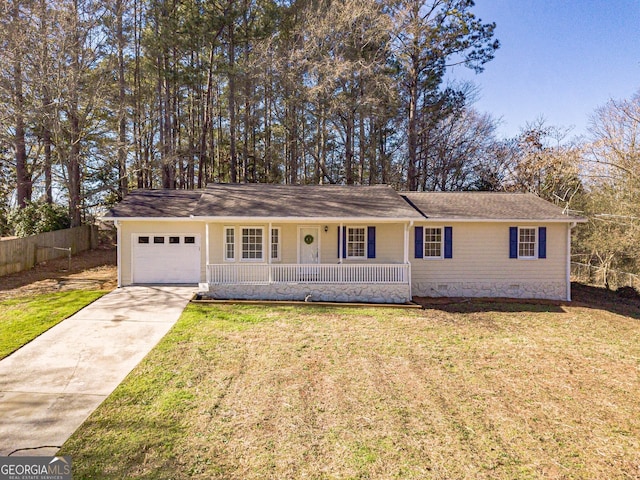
[
  {"x": 216, "y": 241},
  {"x": 481, "y": 256},
  {"x": 128, "y": 228},
  {"x": 389, "y": 242}
]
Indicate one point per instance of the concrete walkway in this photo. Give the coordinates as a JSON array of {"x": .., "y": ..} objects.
[{"x": 51, "y": 385}]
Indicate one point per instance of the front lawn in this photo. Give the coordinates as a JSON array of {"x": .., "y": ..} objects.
[
  {"x": 23, "y": 319},
  {"x": 497, "y": 391}
]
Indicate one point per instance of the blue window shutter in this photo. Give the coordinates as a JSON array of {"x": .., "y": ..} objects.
[
  {"x": 513, "y": 242},
  {"x": 344, "y": 242},
  {"x": 419, "y": 242},
  {"x": 448, "y": 242},
  {"x": 542, "y": 242},
  {"x": 371, "y": 242}
]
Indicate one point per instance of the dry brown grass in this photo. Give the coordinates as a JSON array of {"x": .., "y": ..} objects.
[
  {"x": 90, "y": 270},
  {"x": 482, "y": 391}
]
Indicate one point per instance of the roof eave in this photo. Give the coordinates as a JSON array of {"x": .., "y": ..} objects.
[
  {"x": 239, "y": 219},
  {"x": 504, "y": 220},
  {"x": 145, "y": 219}
]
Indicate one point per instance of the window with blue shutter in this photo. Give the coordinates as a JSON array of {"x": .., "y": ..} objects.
[
  {"x": 371, "y": 242},
  {"x": 419, "y": 239},
  {"x": 542, "y": 242},
  {"x": 448, "y": 242},
  {"x": 513, "y": 242},
  {"x": 528, "y": 242}
]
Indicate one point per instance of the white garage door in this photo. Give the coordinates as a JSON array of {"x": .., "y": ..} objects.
[{"x": 166, "y": 258}]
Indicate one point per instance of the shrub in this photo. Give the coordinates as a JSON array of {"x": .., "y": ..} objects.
[
  {"x": 38, "y": 217},
  {"x": 628, "y": 292}
]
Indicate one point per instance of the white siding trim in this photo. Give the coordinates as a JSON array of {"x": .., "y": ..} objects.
[
  {"x": 535, "y": 245},
  {"x": 568, "y": 266},
  {"x": 424, "y": 242},
  {"x": 278, "y": 258},
  {"x": 206, "y": 243},
  {"x": 224, "y": 243},
  {"x": 366, "y": 234},
  {"x": 239, "y": 241},
  {"x": 119, "y": 251}
]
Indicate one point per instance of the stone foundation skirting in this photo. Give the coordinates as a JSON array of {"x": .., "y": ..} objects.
[
  {"x": 547, "y": 291},
  {"x": 370, "y": 293}
]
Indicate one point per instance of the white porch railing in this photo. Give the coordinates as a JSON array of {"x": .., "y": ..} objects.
[{"x": 260, "y": 274}]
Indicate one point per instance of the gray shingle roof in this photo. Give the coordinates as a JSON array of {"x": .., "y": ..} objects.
[
  {"x": 156, "y": 204},
  {"x": 485, "y": 206},
  {"x": 302, "y": 201},
  {"x": 333, "y": 201}
]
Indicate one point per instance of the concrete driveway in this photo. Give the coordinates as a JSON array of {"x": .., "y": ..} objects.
[{"x": 51, "y": 385}]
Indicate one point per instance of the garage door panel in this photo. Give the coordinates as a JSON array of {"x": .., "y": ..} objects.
[{"x": 172, "y": 261}]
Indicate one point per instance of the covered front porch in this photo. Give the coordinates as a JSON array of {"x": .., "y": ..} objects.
[
  {"x": 379, "y": 283},
  {"x": 341, "y": 261}
]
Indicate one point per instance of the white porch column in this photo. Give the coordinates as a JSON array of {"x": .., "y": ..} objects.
[
  {"x": 407, "y": 230},
  {"x": 340, "y": 243},
  {"x": 269, "y": 242},
  {"x": 206, "y": 252},
  {"x": 119, "y": 251},
  {"x": 406, "y": 242}
]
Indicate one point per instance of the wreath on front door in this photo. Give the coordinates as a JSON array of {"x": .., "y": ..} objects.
[{"x": 308, "y": 239}]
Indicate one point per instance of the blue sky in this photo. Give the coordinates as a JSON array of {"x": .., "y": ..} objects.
[{"x": 559, "y": 59}]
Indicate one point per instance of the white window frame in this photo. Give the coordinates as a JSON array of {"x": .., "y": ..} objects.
[
  {"x": 225, "y": 244},
  {"x": 364, "y": 251},
  {"x": 277, "y": 245},
  {"x": 535, "y": 244},
  {"x": 262, "y": 245},
  {"x": 424, "y": 243}
]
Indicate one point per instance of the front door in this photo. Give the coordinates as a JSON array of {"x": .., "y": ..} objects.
[{"x": 309, "y": 240}]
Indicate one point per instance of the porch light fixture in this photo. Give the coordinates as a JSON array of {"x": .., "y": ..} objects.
[{"x": 326, "y": 229}]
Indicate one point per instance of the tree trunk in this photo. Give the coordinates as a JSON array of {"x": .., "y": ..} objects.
[
  {"x": 268, "y": 154},
  {"x": 348, "y": 154},
  {"x": 46, "y": 104},
  {"x": 205, "y": 122},
  {"x": 73, "y": 161},
  {"x": 122, "y": 105},
  {"x": 23, "y": 176},
  {"x": 168, "y": 162},
  {"x": 412, "y": 178},
  {"x": 74, "y": 170},
  {"x": 362, "y": 144},
  {"x": 233, "y": 160},
  {"x": 293, "y": 144}
]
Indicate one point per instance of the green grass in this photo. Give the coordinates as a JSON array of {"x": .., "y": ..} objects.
[
  {"x": 495, "y": 391},
  {"x": 23, "y": 319}
]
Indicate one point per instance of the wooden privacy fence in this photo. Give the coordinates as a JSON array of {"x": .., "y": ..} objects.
[{"x": 17, "y": 254}]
